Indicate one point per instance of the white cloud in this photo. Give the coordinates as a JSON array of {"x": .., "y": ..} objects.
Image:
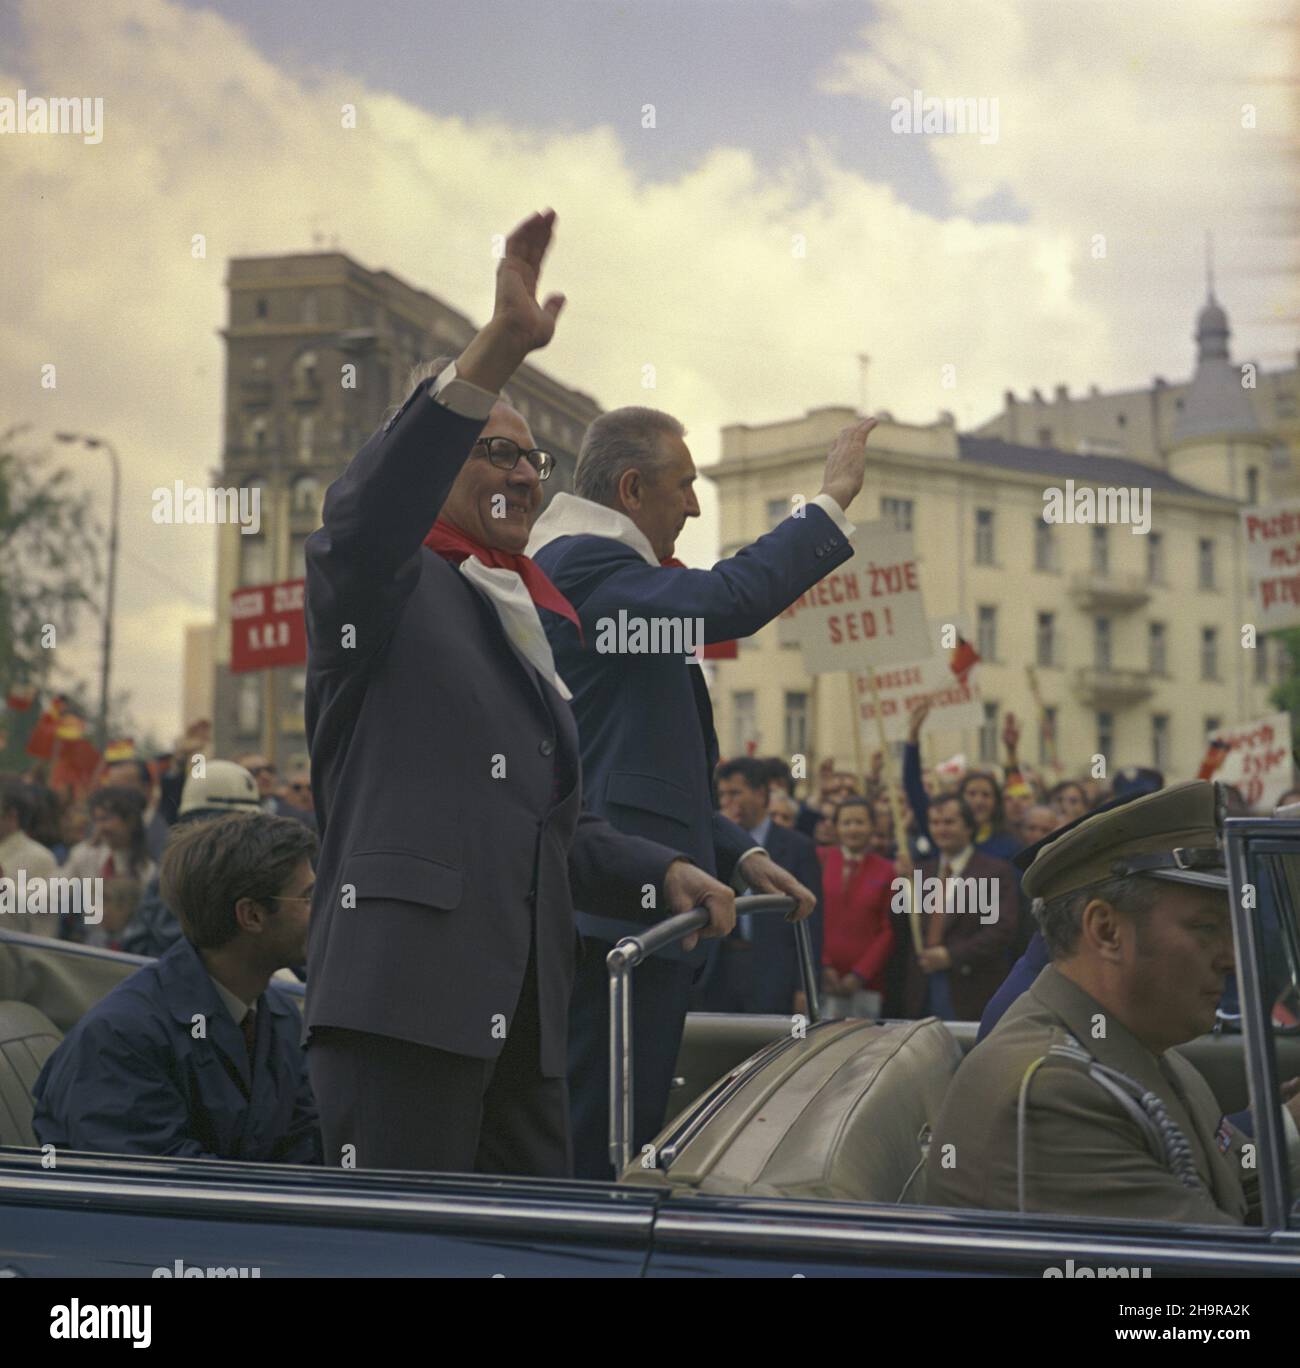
[{"x": 1109, "y": 124}]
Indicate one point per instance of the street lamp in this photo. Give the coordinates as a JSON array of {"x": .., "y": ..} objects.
[{"x": 100, "y": 444}]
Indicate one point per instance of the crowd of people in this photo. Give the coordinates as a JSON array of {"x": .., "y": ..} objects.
[
  {"x": 116, "y": 831},
  {"x": 500, "y": 800}
]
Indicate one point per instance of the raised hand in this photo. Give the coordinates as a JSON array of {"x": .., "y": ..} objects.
[
  {"x": 518, "y": 324},
  {"x": 846, "y": 465},
  {"x": 517, "y": 310}
]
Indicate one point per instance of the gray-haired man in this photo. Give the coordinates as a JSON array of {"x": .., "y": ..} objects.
[{"x": 645, "y": 721}]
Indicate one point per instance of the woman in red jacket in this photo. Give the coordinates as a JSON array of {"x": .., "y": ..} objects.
[{"x": 858, "y": 934}]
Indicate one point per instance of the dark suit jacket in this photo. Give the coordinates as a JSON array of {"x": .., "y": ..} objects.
[
  {"x": 436, "y": 754},
  {"x": 646, "y": 722},
  {"x": 776, "y": 959},
  {"x": 979, "y": 951},
  {"x": 131, "y": 1078}
]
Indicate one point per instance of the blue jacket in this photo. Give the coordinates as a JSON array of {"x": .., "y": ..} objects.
[
  {"x": 132, "y": 1078},
  {"x": 645, "y": 722},
  {"x": 776, "y": 956}
]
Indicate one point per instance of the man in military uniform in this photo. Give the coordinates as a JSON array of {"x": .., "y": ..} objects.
[{"x": 1078, "y": 1101}]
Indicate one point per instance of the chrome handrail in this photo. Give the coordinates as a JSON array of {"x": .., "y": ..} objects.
[{"x": 627, "y": 954}]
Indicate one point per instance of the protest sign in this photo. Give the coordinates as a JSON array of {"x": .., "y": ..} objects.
[
  {"x": 869, "y": 610},
  {"x": 1272, "y": 537},
  {"x": 1259, "y": 760}
]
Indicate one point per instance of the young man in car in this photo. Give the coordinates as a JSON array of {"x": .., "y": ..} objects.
[
  {"x": 196, "y": 1055},
  {"x": 1078, "y": 1102}
]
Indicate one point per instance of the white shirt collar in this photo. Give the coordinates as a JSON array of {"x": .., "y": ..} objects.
[
  {"x": 957, "y": 863},
  {"x": 569, "y": 516}
]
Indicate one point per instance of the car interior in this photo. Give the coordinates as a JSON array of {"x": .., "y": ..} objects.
[{"x": 840, "y": 1110}]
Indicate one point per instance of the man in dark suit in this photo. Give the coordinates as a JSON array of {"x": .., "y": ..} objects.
[
  {"x": 642, "y": 704},
  {"x": 197, "y": 1055},
  {"x": 756, "y": 968},
  {"x": 446, "y": 775},
  {"x": 968, "y": 921}
]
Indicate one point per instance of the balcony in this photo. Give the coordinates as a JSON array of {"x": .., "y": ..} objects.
[
  {"x": 1112, "y": 593},
  {"x": 1098, "y": 688}
]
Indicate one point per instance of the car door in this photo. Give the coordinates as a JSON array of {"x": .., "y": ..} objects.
[{"x": 115, "y": 1216}]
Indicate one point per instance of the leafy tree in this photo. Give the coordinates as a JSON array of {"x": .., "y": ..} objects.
[{"x": 49, "y": 567}]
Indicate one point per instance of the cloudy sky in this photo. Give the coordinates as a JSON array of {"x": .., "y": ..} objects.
[{"x": 772, "y": 122}]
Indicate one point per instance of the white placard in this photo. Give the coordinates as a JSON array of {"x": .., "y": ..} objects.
[
  {"x": 868, "y": 611},
  {"x": 1272, "y": 536},
  {"x": 1259, "y": 763}
]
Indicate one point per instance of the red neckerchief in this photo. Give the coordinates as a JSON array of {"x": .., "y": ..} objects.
[{"x": 455, "y": 546}]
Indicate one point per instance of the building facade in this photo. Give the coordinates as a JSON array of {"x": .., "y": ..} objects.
[
  {"x": 1135, "y": 637},
  {"x": 317, "y": 349}
]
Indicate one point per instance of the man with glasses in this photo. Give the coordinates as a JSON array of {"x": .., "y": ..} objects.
[
  {"x": 448, "y": 785},
  {"x": 197, "y": 1054}
]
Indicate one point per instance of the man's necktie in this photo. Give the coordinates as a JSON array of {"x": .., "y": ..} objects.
[{"x": 935, "y": 927}]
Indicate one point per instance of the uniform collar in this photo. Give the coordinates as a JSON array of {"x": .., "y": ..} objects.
[{"x": 1167, "y": 1075}]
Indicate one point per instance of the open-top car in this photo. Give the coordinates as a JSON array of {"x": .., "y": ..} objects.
[{"x": 792, "y": 1147}]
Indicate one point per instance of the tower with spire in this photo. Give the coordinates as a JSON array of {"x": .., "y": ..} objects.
[{"x": 1217, "y": 439}]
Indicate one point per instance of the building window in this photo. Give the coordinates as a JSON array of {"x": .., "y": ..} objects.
[
  {"x": 1160, "y": 741},
  {"x": 897, "y": 513},
  {"x": 1045, "y": 437},
  {"x": 1252, "y": 486},
  {"x": 983, "y": 536},
  {"x": 1044, "y": 546},
  {"x": 1047, "y": 736},
  {"x": 1205, "y": 563},
  {"x": 777, "y": 511},
  {"x": 744, "y": 720},
  {"x": 248, "y": 703},
  {"x": 254, "y": 560},
  {"x": 1105, "y": 733},
  {"x": 1122, "y": 419},
  {"x": 543, "y": 421},
  {"x": 796, "y": 724},
  {"x": 986, "y": 637},
  {"x": 306, "y": 495},
  {"x": 1157, "y": 649},
  {"x": 258, "y": 366},
  {"x": 257, "y": 434},
  {"x": 1101, "y": 550},
  {"x": 1261, "y": 660},
  {"x": 309, "y": 310},
  {"x": 298, "y": 557},
  {"x": 1212, "y": 725},
  {"x": 1046, "y": 653},
  {"x": 1101, "y": 638},
  {"x": 306, "y": 435},
  {"x": 306, "y": 379},
  {"x": 989, "y": 735},
  {"x": 263, "y": 308},
  {"x": 1156, "y": 557},
  {"x": 297, "y": 696},
  {"x": 1209, "y": 653}
]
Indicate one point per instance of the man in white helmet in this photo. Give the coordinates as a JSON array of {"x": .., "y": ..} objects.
[{"x": 222, "y": 787}]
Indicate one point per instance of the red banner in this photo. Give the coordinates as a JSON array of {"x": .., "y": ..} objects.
[{"x": 267, "y": 627}]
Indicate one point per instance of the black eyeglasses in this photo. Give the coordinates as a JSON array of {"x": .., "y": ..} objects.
[{"x": 505, "y": 454}]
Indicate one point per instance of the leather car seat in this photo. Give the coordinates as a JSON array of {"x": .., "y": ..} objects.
[
  {"x": 844, "y": 1114},
  {"x": 27, "y": 1039}
]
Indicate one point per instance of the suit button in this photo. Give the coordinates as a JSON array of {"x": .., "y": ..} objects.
[
  {"x": 547, "y": 747},
  {"x": 818, "y": 552}
]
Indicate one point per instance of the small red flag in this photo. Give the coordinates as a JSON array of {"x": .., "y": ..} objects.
[{"x": 964, "y": 658}]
